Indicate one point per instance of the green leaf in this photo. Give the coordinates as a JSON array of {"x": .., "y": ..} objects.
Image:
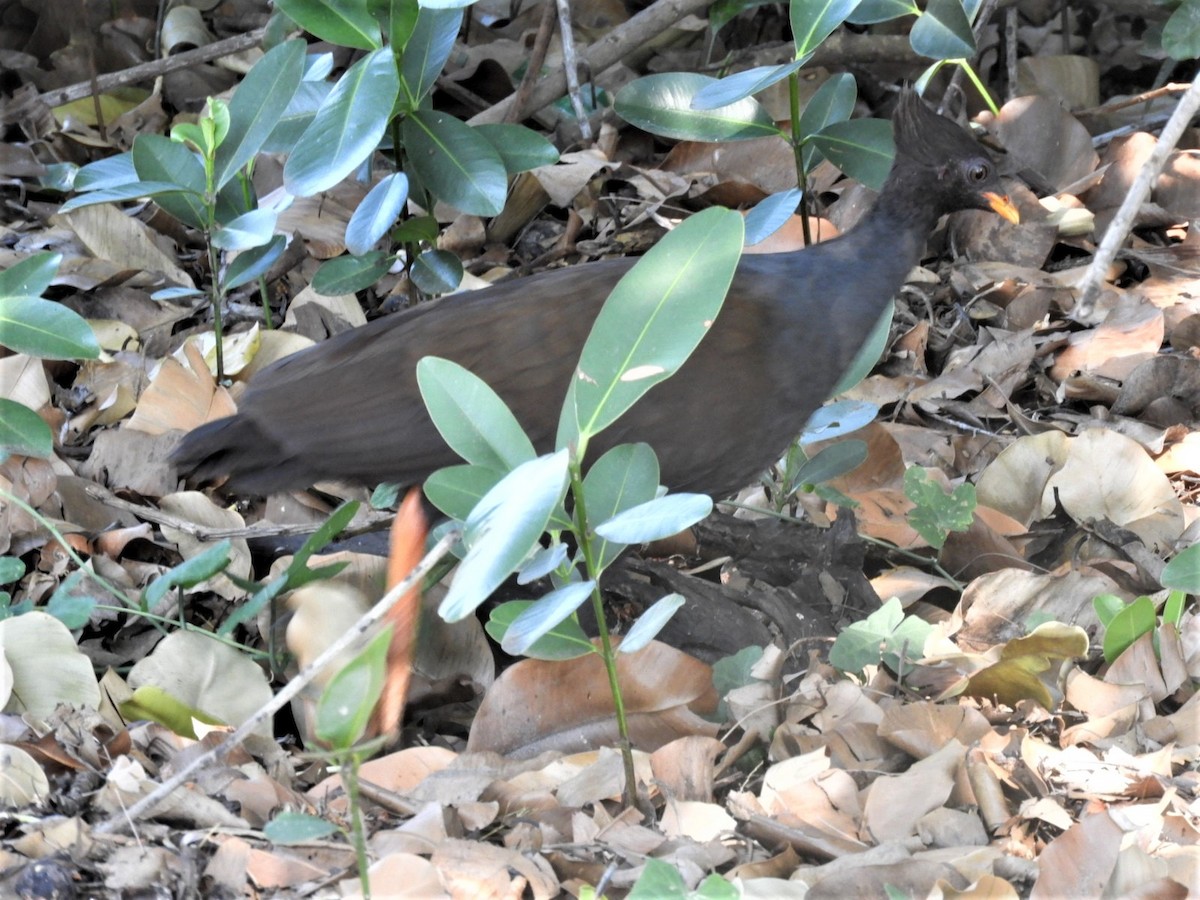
[
  {"x": 247, "y": 231},
  {"x": 658, "y": 881},
  {"x": 471, "y": 417},
  {"x": 650, "y": 623},
  {"x": 45, "y": 329},
  {"x": 833, "y": 102},
  {"x": 72, "y": 603},
  {"x": 426, "y": 52},
  {"x": 565, "y": 641},
  {"x": 106, "y": 173},
  {"x": 347, "y": 127},
  {"x": 862, "y": 148},
  {"x": 160, "y": 159},
  {"x": 814, "y": 20},
  {"x": 624, "y": 477},
  {"x": 455, "y": 162},
  {"x": 830, "y": 463},
  {"x": 456, "y": 490},
  {"x": 1135, "y": 620},
  {"x": 377, "y": 213},
  {"x": 938, "y": 513},
  {"x": 656, "y": 519},
  {"x": 1107, "y": 606},
  {"x": 1181, "y": 33},
  {"x": 1183, "y": 571},
  {"x": 502, "y": 530},
  {"x": 257, "y": 106},
  {"x": 520, "y": 148},
  {"x": 250, "y": 264},
  {"x": 298, "y": 116},
  {"x": 869, "y": 353},
  {"x": 120, "y": 194},
  {"x": 770, "y": 214},
  {"x": 943, "y": 31},
  {"x": 31, "y": 276},
  {"x": 23, "y": 432},
  {"x": 297, "y": 828},
  {"x": 343, "y": 22},
  {"x": 12, "y": 569},
  {"x": 345, "y": 706},
  {"x": 541, "y": 564},
  {"x": 437, "y": 272},
  {"x": 347, "y": 274},
  {"x": 543, "y": 615},
  {"x": 662, "y": 104},
  {"x": 740, "y": 85},
  {"x": 188, "y": 573},
  {"x": 885, "y": 634},
  {"x": 836, "y": 419},
  {"x": 652, "y": 321},
  {"x": 870, "y": 12}
]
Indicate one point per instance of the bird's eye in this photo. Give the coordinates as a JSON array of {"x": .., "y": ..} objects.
[{"x": 979, "y": 172}]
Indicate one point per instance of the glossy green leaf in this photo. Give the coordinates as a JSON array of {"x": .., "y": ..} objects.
[
  {"x": 160, "y": 159},
  {"x": 1107, "y": 606},
  {"x": 298, "y": 116},
  {"x": 1135, "y": 620},
  {"x": 520, "y": 148},
  {"x": 456, "y": 490},
  {"x": 833, "y": 102},
  {"x": 343, "y": 22},
  {"x": 45, "y": 329},
  {"x": 650, "y": 623},
  {"x": 398, "y": 18},
  {"x": 503, "y": 529},
  {"x": 347, "y": 127},
  {"x": 250, "y": 264},
  {"x": 869, "y": 353},
  {"x": 252, "y": 229},
  {"x": 345, "y": 706},
  {"x": 565, "y": 641},
  {"x": 541, "y": 564},
  {"x": 662, "y": 104},
  {"x": 377, "y": 213},
  {"x": 543, "y": 615},
  {"x": 471, "y": 417},
  {"x": 770, "y": 214},
  {"x": 652, "y": 321},
  {"x": 121, "y": 193},
  {"x": 257, "y": 106},
  {"x": 106, "y": 173},
  {"x": 830, "y": 462},
  {"x": 455, "y": 162},
  {"x": 31, "y": 276},
  {"x": 624, "y": 477},
  {"x": 348, "y": 274},
  {"x": 869, "y": 12},
  {"x": 943, "y": 31},
  {"x": 426, "y": 52},
  {"x": 23, "y": 432},
  {"x": 736, "y": 87},
  {"x": 437, "y": 272},
  {"x": 862, "y": 148},
  {"x": 836, "y": 419},
  {"x": 656, "y": 519},
  {"x": 1183, "y": 571},
  {"x": 814, "y": 20}
]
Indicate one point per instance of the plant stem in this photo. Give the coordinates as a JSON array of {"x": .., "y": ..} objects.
[
  {"x": 798, "y": 153},
  {"x": 582, "y": 533},
  {"x": 357, "y": 835}
]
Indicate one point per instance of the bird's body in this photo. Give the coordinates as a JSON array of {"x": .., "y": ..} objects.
[{"x": 349, "y": 408}]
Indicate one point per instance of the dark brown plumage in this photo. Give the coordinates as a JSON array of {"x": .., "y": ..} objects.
[{"x": 349, "y": 407}]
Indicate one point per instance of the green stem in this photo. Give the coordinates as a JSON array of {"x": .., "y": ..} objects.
[
  {"x": 607, "y": 653},
  {"x": 798, "y": 153},
  {"x": 357, "y": 831}
]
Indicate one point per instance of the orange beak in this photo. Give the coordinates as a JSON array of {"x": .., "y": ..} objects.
[{"x": 1003, "y": 206}]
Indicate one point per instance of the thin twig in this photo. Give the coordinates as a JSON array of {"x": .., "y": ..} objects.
[
  {"x": 1122, "y": 223},
  {"x": 128, "y": 817}
]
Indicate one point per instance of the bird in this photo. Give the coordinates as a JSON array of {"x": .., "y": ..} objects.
[{"x": 349, "y": 409}]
